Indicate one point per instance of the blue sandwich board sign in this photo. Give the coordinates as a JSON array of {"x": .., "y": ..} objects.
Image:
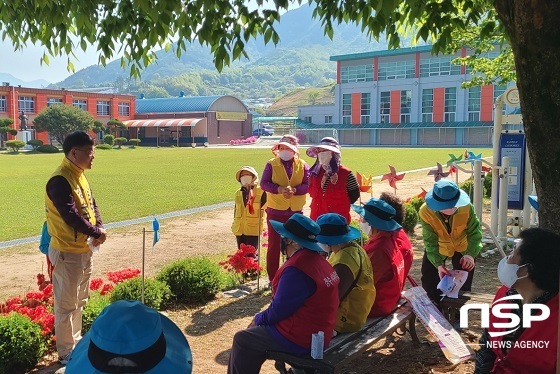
[{"x": 513, "y": 146}]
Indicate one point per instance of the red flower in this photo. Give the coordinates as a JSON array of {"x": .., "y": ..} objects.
[
  {"x": 122, "y": 275},
  {"x": 107, "y": 287},
  {"x": 95, "y": 284},
  {"x": 242, "y": 261}
]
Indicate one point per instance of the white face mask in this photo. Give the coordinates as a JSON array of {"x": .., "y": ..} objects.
[
  {"x": 246, "y": 180},
  {"x": 365, "y": 227},
  {"x": 324, "y": 158},
  {"x": 507, "y": 273},
  {"x": 448, "y": 212},
  {"x": 286, "y": 155}
]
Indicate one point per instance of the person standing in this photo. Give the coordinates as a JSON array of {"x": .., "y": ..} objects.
[
  {"x": 72, "y": 219},
  {"x": 286, "y": 181},
  {"x": 451, "y": 230},
  {"x": 248, "y": 214},
  {"x": 332, "y": 186}
]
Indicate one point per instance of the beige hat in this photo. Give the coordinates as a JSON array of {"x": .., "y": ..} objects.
[
  {"x": 251, "y": 170},
  {"x": 289, "y": 141}
]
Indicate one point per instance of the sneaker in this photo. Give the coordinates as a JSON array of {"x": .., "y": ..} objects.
[{"x": 63, "y": 360}]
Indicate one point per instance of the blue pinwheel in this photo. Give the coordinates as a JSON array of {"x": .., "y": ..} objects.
[
  {"x": 474, "y": 157},
  {"x": 155, "y": 227}
]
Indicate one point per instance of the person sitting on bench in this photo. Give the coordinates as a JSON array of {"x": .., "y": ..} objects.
[
  {"x": 356, "y": 291},
  {"x": 385, "y": 251},
  {"x": 304, "y": 301},
  {"x": 451, "y": 230},
  {"x": 530, "y": 273}
]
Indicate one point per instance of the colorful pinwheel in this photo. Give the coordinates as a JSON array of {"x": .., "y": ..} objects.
[
  {"x": 363, "y": 182},
  {"x": 422, "y": 195},
  {"x": 438, "y": 173},
  {"x": 392, "y": 177},
  {"x": 474, "y": 157},
  {"x": 453, "y": 159}
]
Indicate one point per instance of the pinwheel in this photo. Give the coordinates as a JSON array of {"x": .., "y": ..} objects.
[
  {"x": 363, "y": 182},
  {"x": 474, "y": 157},
  {"x": 155, "y": 228},
  {"x": 453, "y": 159},
  {"x": 466, "y": 154},
  {"x": 422, "y": 195},
  {"x": 486, "y": 169},
  {"x": 438, "y": 173},
  {"x": 392, "y": 177}
]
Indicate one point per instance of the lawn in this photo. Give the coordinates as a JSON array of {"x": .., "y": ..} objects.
[{"x": 130, "y": 183}]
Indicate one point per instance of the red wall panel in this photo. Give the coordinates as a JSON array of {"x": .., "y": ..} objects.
[
  {"x": 486, "y": 103},
  {"x": 439, "y": 103},
  {"x": 395, "y": 116},
  {"x": 356, "y": 108}
]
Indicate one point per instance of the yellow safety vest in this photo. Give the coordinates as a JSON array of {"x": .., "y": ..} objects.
[
  {"x": 280, "y": 177},
  {"x": 245, "y": 223},
  {"x": 63, "y": 237},
  {"x": 354, "y": 309},
  {"x": 456, "y": 240}
]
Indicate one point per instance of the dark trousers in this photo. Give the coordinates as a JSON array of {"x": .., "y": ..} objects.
[
  {"x": 249, "y": 349},
  {"x": 273, "y": 252},
  {"x": 249, "y": 240},
  {"x": 430, "y": 277}
]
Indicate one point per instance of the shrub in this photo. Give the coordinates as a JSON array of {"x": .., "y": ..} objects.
[
  {"x": 192, "y": 279},
  {"x": 364, "y": 238},
  {"x": 410, "y": 218},
  {"x": 156, "y": 293},
  {"x": 120, "y": 141},
  {"x": 15, "y": 145},
  {"x": 92, "y": 309},
  {"x": 468, "y": 187},
  {"x": 48, "y": 148},
  {"x": 134, "y": 142},
  {"x": 488, "y": 185},
  {"x": 416, "y": 202},
  {"x": 22, "y": 344},
  {"x": 109, "y": 139},
  {"x": 12, "y": 132},
  {"x": 35, "y": 143},
  {"x": 103, "y": 146}
]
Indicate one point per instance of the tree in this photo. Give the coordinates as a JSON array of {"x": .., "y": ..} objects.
[
  {"x": 313, "y": 96},
  {"x": 98, "y": 126},
  {"x": 60, "y": 120},
  {"x": 4, "y": 128},
  {"x": 115, "y": 124}
]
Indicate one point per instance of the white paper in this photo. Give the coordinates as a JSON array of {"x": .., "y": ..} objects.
[{"x": 451, "y": 284}]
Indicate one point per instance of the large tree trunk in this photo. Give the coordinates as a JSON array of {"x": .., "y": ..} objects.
[{"x": 533, "y": 27}]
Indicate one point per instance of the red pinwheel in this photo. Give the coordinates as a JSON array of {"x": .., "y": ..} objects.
[
  {"x": 438, "y": 173},
  {"x": 422, "y": 195},
  {"x": 452, "y": 170},
  {"x": 392, "y": 177}
]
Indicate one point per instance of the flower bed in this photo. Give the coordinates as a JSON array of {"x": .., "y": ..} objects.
[{"x": 249, "y": 140}]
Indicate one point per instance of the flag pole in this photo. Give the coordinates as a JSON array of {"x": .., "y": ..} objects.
[{"x": 143, "y": 259}]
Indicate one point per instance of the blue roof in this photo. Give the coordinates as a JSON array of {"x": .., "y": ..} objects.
[
  {"x": 307, "y": 125},
  {"x": 382, "y": 53},
  {"x": 175, "y": 104}
]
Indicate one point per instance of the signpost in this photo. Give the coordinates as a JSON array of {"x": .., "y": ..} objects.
[{"x": 513, "y": 146}]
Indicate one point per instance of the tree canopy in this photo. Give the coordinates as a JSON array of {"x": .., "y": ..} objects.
[{"x": 60, "y": 120}]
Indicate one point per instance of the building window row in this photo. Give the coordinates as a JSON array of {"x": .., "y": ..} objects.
[
  {"x": 346, "y": 109},
  {"x": 406, "y": 105},
  {"x": 53, "y": 101},
  {"x": 103, "y": 108},
  {"x": 80, "y": 103},
  {"x": 385, "y": 106},
  {"x": 450, "y": 104},
  {"x": 328, "y": 119},
  {"x": 396, "y": 70},
  {"x": 427, "y": 105},
  {"x": 473, "y": 106},
  {"x": 358, "y": 73},
  {"x": 3, "y": 103},
  {"x": 437, "y": 66},
  {"x": 124, "y": 109},
  {"x": 365, "y": 108},
  {"x": 26, "y": 104}
]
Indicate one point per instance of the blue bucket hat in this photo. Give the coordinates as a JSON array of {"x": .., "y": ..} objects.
[
  {"x": 446, "y": 194},
  {"x": 301, "y": 229},
  {"x": 129, "y": 331},
  {"x": 534, "y": 201},
  {"x": 335, "y": 229},
  {"x": 378, "y": 214}
]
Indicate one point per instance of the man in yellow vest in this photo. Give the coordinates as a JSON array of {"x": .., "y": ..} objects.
[
  {"x": 286, "y": 181},
  {"x": 451, "y": 230},
  {"x": 75, "y": 227}
]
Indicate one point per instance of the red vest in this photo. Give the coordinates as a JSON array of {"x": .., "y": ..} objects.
[
  {"x": 405, "y": 246},
  {"x": 334, "y": 200},
  {"x": 389, "y": 270},
  {"x": 318, "y": 312},
  {"x": 523, "y": 359}
]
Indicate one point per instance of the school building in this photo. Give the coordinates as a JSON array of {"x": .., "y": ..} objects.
[{"x": 403, "y": 97}]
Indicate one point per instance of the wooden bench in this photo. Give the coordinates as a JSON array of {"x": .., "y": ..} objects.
[
  {"x": 344, "y": 346},
  {"x": 450, "y": 307}
]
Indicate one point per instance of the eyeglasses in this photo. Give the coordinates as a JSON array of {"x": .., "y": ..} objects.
[{"x": 89, "y": 153}]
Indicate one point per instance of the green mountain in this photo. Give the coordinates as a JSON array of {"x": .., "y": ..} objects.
[{"x": 301, "y": 59}]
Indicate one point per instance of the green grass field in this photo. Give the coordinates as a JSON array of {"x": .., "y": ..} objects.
[{"x": 130, "y": 183}]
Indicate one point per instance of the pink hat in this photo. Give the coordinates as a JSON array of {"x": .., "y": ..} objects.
[
  {"x": 328, "y": 143},
  {"x": 289, "y": 141}
]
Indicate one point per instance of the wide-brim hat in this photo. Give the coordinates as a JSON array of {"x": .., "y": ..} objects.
[
  {"x": 139, "y": 335},
  {"x": 289, "y": 141},
  {"x": 301, "y": 229},
  {"x": 446, "y": 194},
  {"x": 534, "y": 201},
  {"x": 378, "y": 214},
  {"x": 335, "y": 229},
  {"x": 328, "y": 143},
  {"x": 251, "y": 170}
]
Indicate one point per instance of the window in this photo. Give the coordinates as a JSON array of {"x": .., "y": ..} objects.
[
  {"x": 346, "y": 108},
  {"x": 26, "y": 104},
  {"x": 307, "y": 119},
  {"x": 103, "y": 108},
  {"x": 82, "y": 104},
  {"x": 396, "y": 70},
  {"x": 450, "y": 104},
  {"x": 3, "y": 103},
  {"x": 433, "y": 67},
  {"x": 406, "y": 105},
  {"x": 328, "y": 119},
  {"x": 385, "y": 106},
  {"x": 498, "y": 90},
  {"x": 124, "y": 109},
  {"x": 427, "y": 105},
  {"x": 365, "y": 108},
  {"x": 474, "y": 104},
  {"x": 359, "y": 73},
  {"x": 53, "y": 101}
]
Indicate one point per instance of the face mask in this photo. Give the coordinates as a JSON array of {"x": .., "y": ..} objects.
[
  {"x": 365, "y": 227},
  {"x": 507, "y": 273},
  {"x": 448, "y": 212},
  {"x": 286, "y": 155},
  {"x": 324, "y": 158},
  {"x": 246, "y": 180}
]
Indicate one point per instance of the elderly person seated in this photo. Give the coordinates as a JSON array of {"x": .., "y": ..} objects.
[
  {"x": 530, "y": 275},
  {"x": 356, "y": 291},
  {"x": 304, "y": 301}
]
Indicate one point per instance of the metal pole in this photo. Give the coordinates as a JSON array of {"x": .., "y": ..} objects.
[
  {"x": 503, "y": 204},
  {"x": 143, "y": 259},
  {"x": 259, "y": 250},
  {"x": 496, "y": 162},
  {"x": 526, "y": 220},
  {"x": 477, "y": 194}
]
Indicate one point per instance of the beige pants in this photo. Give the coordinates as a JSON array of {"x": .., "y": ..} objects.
[{"x": 71, "y": 275}]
